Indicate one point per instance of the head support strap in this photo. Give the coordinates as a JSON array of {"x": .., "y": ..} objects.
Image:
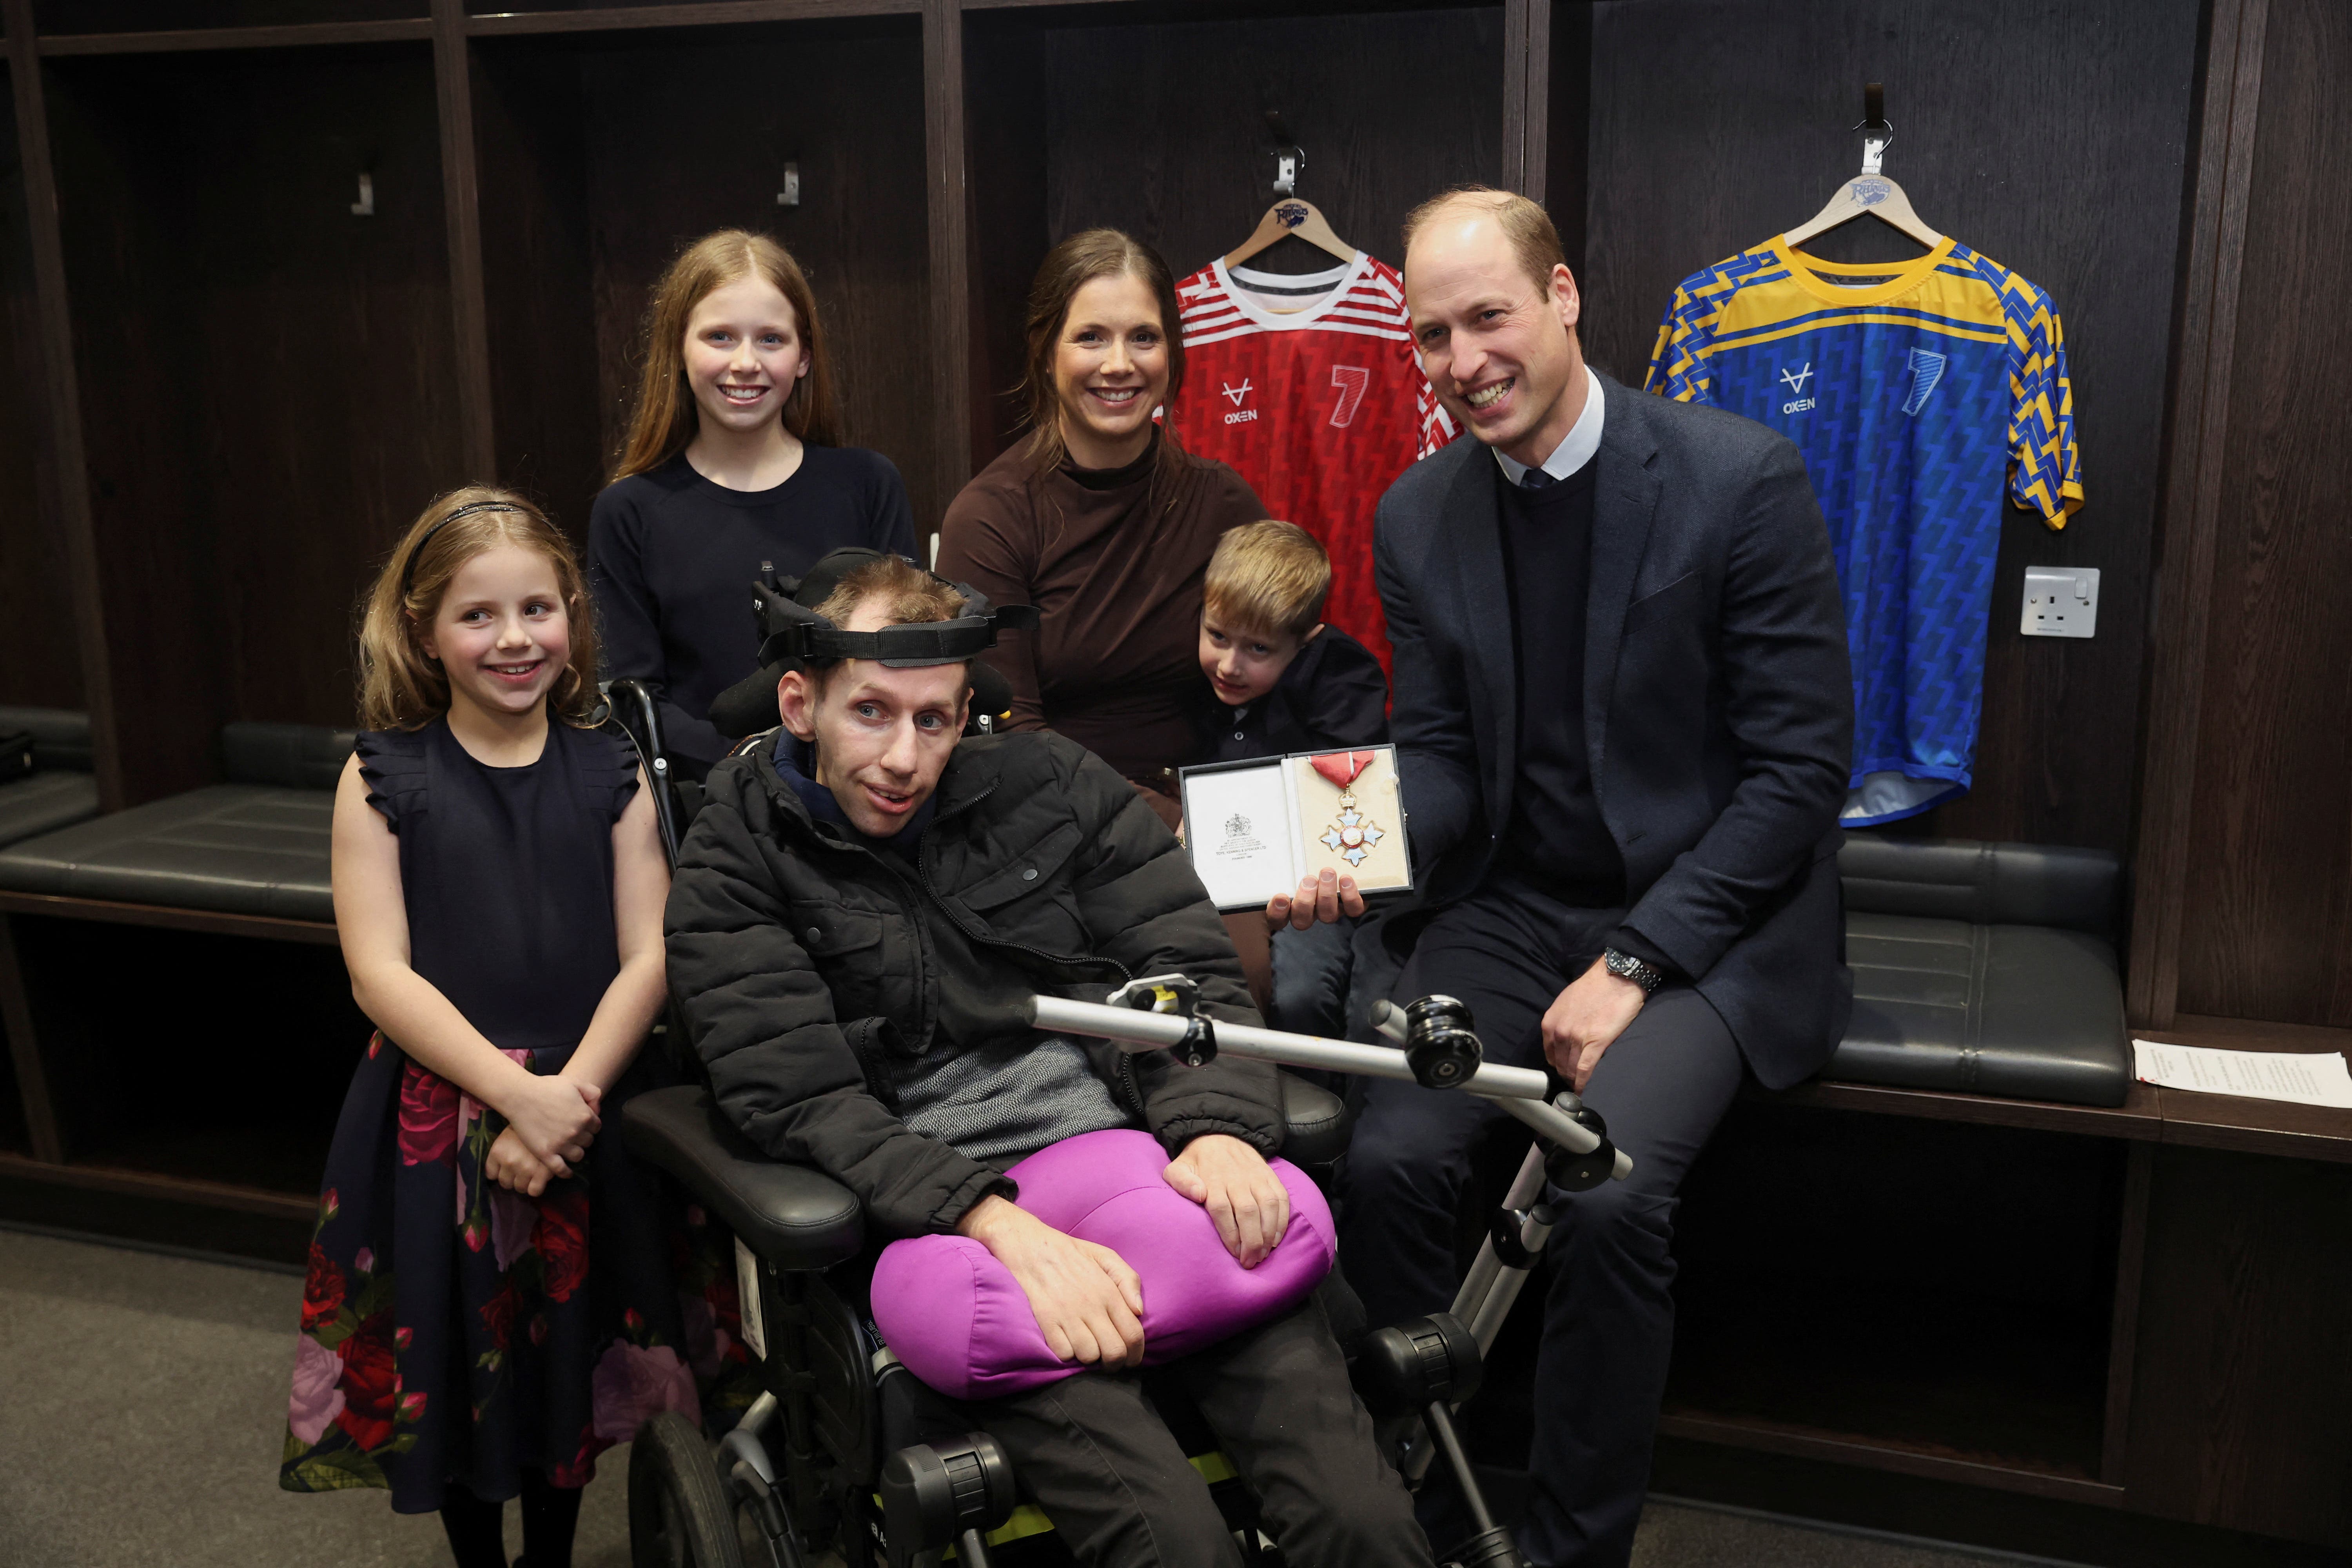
[{"x": 795, "y": 632}]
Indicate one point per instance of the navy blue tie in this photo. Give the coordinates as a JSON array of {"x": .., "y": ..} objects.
[{"x": 1535, "y": 479}]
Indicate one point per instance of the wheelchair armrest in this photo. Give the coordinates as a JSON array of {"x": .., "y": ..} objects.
[
  {"x": 795, "y": 1217},
  {"x": 1320, "y": 1122}
]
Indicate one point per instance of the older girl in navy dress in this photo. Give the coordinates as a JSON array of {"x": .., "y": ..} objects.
[
  {"x": 488, "y": 1305},
  {"x": 733, "y": 471}
]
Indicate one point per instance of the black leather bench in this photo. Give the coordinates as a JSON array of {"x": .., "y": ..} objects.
[
  {"x": 1983, "y": 969},
  {"x": 256, "y": 845},
  {"x": 60, "y": 791}
]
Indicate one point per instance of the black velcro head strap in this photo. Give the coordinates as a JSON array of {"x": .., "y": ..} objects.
[
  {"x": 901, "y": 647},
  {"x": 792, "y": 632}
]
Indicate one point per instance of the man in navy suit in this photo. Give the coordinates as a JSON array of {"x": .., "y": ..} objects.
[{"x": 1625, "y": 720}]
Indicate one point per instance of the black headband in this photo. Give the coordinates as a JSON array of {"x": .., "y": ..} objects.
[
  {"x": 408, "y": 573},
  {"x": 816, "y": 641}
]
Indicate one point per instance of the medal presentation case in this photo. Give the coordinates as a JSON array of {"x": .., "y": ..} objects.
[{"x": 1256, "y": 828}]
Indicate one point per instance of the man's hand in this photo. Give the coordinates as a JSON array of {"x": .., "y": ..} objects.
[
  {"x": 1244, "y": 1196},
  {"x": 1323, "y": 896},
  {"x": 1088, "y": 1302},
  {"x": 1585, "y": 1019},
  {"x": 512, "y": 1165}
]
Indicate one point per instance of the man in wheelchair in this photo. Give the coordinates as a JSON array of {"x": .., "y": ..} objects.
[{"x": 862, "y": 908}]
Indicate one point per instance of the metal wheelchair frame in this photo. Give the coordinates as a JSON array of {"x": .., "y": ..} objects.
[{"x": 825, "y": 1374}]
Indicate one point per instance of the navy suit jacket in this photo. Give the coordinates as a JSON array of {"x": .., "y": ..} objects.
[{"x": 1717, "y": 702}]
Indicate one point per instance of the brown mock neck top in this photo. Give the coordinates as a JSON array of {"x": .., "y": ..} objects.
[{"x": 1114, "y": 559}]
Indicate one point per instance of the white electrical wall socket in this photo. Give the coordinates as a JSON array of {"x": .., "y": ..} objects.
[{"x": 2061, "y": 601}]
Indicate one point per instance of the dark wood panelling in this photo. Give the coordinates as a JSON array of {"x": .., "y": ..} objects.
[
  {"x": 1952, "y": 1509},
  {"x": 1526, "y": 103},
  {"x": 461, "y": 211},
  {"x": 2049, "y": 137},
  {"x": 1390, "y": 109},
  {"x": 495, "y": 17},
  {"x": 2204, "y": 350},
  {"x": 265, "y": 375},
  {"x": 2237, "y": 1418},
  {"x": 1972, "y": 1324},
  {"x": 2267, "y": 923},
  {"x": 292, "y": 35},
  {"x": 2138, "y": 1117},
  {"x": 530, "y": 130},
  {"x": 38, "y": 662},
  {"x": 73, "y": 17},
  {"x": 1005, "y": 160},
  {"x": 60, "y": 472},
  {"x": 846, "y": 103},
  {"x": 946, "y": 212},
  {"x": 1568, "y": 126}
]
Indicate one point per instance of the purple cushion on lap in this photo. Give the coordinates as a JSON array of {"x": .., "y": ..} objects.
[{"x": 958, "y": 1321}]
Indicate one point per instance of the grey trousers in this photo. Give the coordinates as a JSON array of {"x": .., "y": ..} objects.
[
  {"x": 1608, "y": 1315},
  {"x": 1092, "y": 1452}
]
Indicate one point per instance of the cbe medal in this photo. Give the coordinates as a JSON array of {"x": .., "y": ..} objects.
[{"x": 1350, "y": 838}]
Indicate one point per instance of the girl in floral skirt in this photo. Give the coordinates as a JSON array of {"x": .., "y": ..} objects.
[{"x": 488, "y": 1304}]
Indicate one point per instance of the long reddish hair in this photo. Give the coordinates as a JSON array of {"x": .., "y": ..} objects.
[{"x": 665, "y": 419}]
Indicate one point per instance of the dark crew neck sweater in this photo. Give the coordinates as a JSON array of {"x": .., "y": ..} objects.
[
  {"x": 1556, "y": 836},
  {"x": 1113, "y": 559},
  {"x": 672, "y": 557}
]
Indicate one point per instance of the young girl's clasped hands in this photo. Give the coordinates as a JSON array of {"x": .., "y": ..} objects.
[{"x": 498, "y": 886}]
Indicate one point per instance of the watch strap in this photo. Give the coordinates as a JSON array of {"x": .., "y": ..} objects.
[{"x": 1648, "y": 977}]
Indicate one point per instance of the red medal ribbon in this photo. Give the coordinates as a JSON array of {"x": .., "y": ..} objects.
[{"x": 1341, "y": 767}]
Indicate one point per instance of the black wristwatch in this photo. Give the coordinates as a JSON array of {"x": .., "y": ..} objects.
[{"x": 1624, "y": 965}]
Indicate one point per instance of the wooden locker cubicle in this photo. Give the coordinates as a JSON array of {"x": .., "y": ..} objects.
[{"x": 226, "y": 393}]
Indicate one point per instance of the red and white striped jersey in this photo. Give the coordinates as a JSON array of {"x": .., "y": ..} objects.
[{"x": 1309, "y": 387}]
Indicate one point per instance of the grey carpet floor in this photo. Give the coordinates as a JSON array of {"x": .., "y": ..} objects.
[{"x": 143, "y": 1403}]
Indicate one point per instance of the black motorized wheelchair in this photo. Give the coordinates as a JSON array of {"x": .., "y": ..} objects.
[{"x": 844, "y": 1450}]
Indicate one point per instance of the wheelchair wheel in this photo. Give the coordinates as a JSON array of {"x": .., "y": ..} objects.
[{"x": 678, "y": 1513}]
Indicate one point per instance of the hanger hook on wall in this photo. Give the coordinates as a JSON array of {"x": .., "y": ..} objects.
[
  {"x": 1877, "y": 133},
  {"x": 1289, "y": 159}
]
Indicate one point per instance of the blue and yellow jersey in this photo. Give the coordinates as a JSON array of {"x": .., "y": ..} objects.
[{"x": 1917, "y": 393}]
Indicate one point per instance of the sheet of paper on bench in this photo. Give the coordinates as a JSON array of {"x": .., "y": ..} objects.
[{"x": 2317, "y": 1078}]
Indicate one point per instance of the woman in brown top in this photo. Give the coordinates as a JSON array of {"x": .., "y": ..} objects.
[{"x": 1099, "y": 519}]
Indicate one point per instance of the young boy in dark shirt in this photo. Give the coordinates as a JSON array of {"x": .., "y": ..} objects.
[{"x": 1281, "y": 680}]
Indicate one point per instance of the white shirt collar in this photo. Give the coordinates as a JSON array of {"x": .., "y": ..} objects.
[{"x": 1575, "y": 449}]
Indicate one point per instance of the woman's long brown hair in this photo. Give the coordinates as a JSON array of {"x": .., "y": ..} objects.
[
  {"x": 665, "y": 419},
  {"x": 1069, "y": 267}
]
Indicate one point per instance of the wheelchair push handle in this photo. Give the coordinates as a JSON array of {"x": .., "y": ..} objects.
[{"x": 1453, "y": 1058}]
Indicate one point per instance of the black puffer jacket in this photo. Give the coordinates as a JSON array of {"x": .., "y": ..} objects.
[{"x": 804, "y": 958}]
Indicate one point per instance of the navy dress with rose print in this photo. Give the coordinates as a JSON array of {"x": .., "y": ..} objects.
[{"x": 453, "y": 1331}]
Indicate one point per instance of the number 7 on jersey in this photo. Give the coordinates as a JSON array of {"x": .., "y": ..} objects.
[{"x": 1351, "y": 381}]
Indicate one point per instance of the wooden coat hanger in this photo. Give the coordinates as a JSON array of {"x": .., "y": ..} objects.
[
  {"x": 1290, "y": 215},
  {"x": 1869, "y": 193}
]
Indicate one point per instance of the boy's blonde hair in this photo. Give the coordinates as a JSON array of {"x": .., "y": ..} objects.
[
  {"x": 400, "y": 688},
  {"x": 1267, "y": 576}
]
